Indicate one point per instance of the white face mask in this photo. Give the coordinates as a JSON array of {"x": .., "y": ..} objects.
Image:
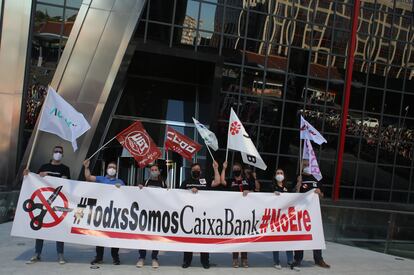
[
  {"x": 57, "y": 156},
  {"x": 280, "y": 178},
  {"x": 154, "y": 174},
  {"x": 111, "y": 172},
  {"x": 306, "y": 170}
]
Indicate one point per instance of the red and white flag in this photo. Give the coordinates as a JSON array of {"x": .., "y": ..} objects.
[
  {"x": 309, "y": 154},
  {"x": 239, "y": 140},
  {"x": 307, "y": 131},
  {"x": 139, "y": 144},
  {"x": 181, "y": 144}
]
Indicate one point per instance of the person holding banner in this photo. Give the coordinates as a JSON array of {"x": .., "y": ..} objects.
[
  {"x": 305, "y": 182},
  {"x": 252, "y": 179},
  {"x": 110, "y": 178},
  {"x": 55, "y": 168},
  {"x": 155, "y": 181},
  {"x": 194, "y": 183},
  {"x": 237, "y": 183},
  {"x": 279, "y": 186}
]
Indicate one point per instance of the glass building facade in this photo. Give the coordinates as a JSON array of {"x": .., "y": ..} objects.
[{"x": 269, "y": 60}]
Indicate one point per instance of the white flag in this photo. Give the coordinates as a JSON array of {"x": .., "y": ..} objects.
[
  {"x": 307, "y": 131},
  {"x": 309, "y": 154},
  {"x": 209, "y": 137},
  {"x": 60, "y": 118},
  {"x": 239, "y": 140}
]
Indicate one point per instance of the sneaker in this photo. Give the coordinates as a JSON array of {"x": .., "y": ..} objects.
[
  {"x": 33, "y": 259},
  {"x": 96, "y": 261},
  {"x": 278, "y": 266},
  {"x": 293, "y": 266},
  {"x": 140, "y": 263},
  {"x": 155, "y": 263},
  {"x": 244, "y": 263},
  {"x": 322, "y": 263},
  {"x": 61, "y": 260},
  {"x": 206, "y": 266},
  {"x": 235, "y": 263},
  {"x": 116, "y": 261}
]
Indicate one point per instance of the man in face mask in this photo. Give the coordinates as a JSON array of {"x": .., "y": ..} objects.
[
  {"x": 54, "y": 168},
  {"x": 109, "y": 178},
  {"x": 305, "y": 182},
  {"x": 194, "y": 183}
]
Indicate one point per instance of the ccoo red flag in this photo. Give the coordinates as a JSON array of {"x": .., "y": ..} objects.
[
  {"x": 181, "y": 144},
  {"x": 139, "y": 144}
]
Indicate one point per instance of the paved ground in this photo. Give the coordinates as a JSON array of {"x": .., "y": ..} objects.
[{"x": 344, "y": 260}]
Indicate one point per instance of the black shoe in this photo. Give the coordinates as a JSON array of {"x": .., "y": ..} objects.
[
  {"x": 96, "y": 261},
  {"x": 116, "y": 262},
  {"x": 185, "y": 265},
  {"x": 206, "y": 266}
]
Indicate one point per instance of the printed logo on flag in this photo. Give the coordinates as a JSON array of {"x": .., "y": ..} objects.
[
  {"x": 235, "y": 128},
  {"x": 137, "y": 142},
  {"x": 181, "y": 144}
]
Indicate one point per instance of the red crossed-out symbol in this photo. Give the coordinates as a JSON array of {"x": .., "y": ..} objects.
[
  {"x": 56, "y": 219},
  {"x": 234, "y": 128}
]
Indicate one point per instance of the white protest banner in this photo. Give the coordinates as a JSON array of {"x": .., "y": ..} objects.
[{"x": 172, "y": 220}]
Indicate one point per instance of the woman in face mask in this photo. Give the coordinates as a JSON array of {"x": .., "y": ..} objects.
[
  {"x": 280, "y": 187},
  {"x": 237, "y": 183},
  {"x": 155, "y": 181}
]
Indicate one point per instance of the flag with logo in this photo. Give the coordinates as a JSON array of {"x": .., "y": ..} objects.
[
  {"x": 209, "y": 137},
  {"x": 139, "y": 144},
  {"x": 239, "y": 140},
  {"x": 310, "y": 155},
  {"x": 181, "y": 144},
  {"x": 307, "y": 131},
  {"x": 60, "y": 118}
]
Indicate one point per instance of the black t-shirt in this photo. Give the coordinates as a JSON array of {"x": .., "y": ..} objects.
[
  {"x": 279, "y": 189},
  {"x": 154, "y": 183},
  {"x": 309, "y": 182},
  {"x": 238, "y": 185},
  {"x": 200, "y": 184},
  {"x": 53, "y": 170}
]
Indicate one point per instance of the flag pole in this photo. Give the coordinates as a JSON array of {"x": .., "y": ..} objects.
[
  {"x": 100, "y": 148},
  {"x": 228, "y": 129},
  {"x": 37, "y": 131},
  {"x": 208, "y": 148}
]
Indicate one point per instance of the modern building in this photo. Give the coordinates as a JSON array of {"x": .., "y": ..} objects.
[{"x": 165, "y": 61}]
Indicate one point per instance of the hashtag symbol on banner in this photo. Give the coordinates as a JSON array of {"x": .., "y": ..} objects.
[
  {"x": 78, "y": 215},
  {"x": 265, "y": 221}
]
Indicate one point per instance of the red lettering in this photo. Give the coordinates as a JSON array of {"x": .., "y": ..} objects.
[
  {"x": 284, "y": 222},
  {"x": 306, "y": 221},
  {"x": 292, "y": 219}
]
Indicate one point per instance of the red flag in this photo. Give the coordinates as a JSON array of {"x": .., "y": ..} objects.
[
  {"x": 139, "y": 144},
  {"x": 181, "y": 144}
]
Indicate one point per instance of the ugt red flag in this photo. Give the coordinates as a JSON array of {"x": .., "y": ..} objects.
[
  {"x": 181, "y": 144},
  {"x": 139, "y": 144}
]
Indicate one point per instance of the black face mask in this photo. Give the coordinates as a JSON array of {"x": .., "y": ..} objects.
[
  {"x": 195, "y": 174},
  {"x": 236, "y": 173}
]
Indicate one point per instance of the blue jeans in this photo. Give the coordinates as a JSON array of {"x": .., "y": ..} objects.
[
  {"x": 289, "y": 256},
  {"x": 143, "y": 254},
  {"x": 39, "y": 247}
]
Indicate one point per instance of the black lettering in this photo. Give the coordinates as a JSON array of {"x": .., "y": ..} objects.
[
  {"x": 97, "y": 217},
  {"x": 134, "y": 216},
  {"x": 165, "y": 222},
  {"x": 115, "y": 222},
  {"x": 108, "y": 215},
  {"x": 197, "y": 227},
  {"x": 246, "y": 227},
  {"x": 254, "y": 223},
  {"x": 182, "y": 219},
  {"x": 154, "y": 219},
  {"x": 251, "y": 159},
  {"x": 124, "y": 223},
  {"x": 143, "y": 218},
  {"x": 238, "y": 227},
  {"x": 210, "y": 226},
  {"x": 229, "y": 221},
  {"x": 174, "y": 221},
  {"x": 219, "y": 228}
]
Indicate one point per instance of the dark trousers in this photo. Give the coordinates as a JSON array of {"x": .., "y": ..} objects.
[
  {"x": 39, "y": 247},
  {"x": 100, "y": 253},
  {"x": 143, "y": 254},
  {"x": 317, "y": 255},
  {"x": 243, "y": 255},
  {"x": 204, "y": 258}
]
